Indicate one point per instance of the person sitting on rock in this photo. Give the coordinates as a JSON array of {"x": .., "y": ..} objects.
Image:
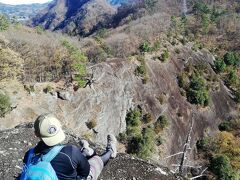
[{"x": 71, "y": 162}]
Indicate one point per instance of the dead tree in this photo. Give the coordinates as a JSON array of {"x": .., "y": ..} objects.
[
  {"x": 186, "y": 148},
  {"x": 91, "y": 80},
  {"x": 200, "y": 175},
  {"x": 184, "y": 163},
  {"x": 180, "y": 167}
]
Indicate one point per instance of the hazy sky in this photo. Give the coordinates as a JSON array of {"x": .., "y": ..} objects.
[{"x": 14, "y": 2}]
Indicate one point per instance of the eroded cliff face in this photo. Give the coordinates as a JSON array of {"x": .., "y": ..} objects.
[
  {"x": 105, "y": 102},
  {"x": 116, "y": 89}
]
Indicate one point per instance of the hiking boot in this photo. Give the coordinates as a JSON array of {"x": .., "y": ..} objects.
[
  {"x": 112, "y": 145},
  {"x": 85, "y": 148}
]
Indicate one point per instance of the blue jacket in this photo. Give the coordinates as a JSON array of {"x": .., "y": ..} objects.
[{"x": 68, "y": 164}]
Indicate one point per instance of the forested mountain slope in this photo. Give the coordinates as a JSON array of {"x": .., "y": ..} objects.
[{"x": 164, "y": 82}]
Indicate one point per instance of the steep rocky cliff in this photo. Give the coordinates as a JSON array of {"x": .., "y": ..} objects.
[{"x": 117, "y": 89}]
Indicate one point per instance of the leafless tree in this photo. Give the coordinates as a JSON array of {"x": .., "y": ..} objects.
[
  {"x": 92, "y": 80},
  {"x": 184, "y": 163}
]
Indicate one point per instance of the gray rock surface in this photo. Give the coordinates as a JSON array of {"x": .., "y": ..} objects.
[
  {"x": 117, "y": 89},
  {"x": 64, "y": 95},
  {"x": 15, "y": 142}
]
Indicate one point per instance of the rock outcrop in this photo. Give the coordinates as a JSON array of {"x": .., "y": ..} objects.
[
  {"x": 15, "y": 142},
  {"x": 116, "y": 89}
]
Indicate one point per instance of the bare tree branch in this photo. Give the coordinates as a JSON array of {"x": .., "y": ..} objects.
[
  {"x": 199, "y": 175},
  {"x": 185, "y": 150},
  {"x": 184, "y": 162},
  {"x": 173, "y": 155}
]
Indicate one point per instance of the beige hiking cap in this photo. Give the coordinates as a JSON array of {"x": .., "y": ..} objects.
[{"x": 49, "y": 129}]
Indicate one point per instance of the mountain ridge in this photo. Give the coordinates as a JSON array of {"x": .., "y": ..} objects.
[
  {"x": 87, "y": 17},
  {"x": 24, "y": 11},
  {"x": 75, "y": 17}
]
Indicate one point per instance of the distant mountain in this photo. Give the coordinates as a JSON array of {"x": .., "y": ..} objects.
[
  {"x": 85, "y": 17},
  {"x": 75, "y": 17},
  {"x": 21, "y": 12}
]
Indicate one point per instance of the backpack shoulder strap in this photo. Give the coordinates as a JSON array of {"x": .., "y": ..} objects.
[
  {"x": 30, "y": 155},
  {"x": 52, "y": 153}
]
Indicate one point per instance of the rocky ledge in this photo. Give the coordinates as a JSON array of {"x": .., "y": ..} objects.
[{"x": 15, "y": 142}]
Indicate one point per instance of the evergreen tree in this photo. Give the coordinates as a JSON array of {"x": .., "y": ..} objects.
[
  {"x": 4, "y": 22},
  {"x": 220, "y": 65},
  {"x": 230, "y": 58},
  {"x": 221, "y": 167}
]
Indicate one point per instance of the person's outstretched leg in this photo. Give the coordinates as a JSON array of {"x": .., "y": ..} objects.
[
  {"x": 97, "y": 162},
  {"x": 111, "y": 149},
  {"x": 86, "y": 150}
]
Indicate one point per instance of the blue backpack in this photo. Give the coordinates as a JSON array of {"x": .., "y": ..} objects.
[{"x": 38, "y": 167}]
